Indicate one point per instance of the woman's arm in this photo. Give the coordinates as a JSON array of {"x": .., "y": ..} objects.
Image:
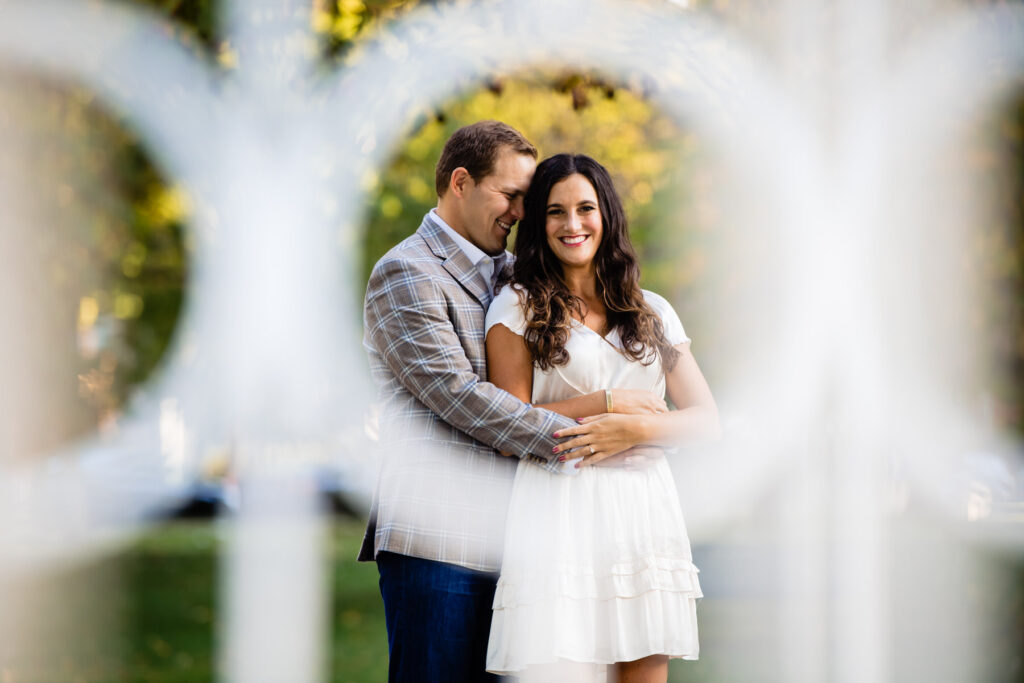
[
  {"x": 508, "y": 362},
  {"x": 695, "y": 417},
  {"x": 510, "y": 367}
]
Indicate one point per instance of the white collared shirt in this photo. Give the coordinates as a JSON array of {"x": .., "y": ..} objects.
[{"x": 487, "y": 265}]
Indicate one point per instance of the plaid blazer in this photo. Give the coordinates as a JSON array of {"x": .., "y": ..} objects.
[{"x": 443, "y": 491}]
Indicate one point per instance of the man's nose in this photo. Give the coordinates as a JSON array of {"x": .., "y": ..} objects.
[{"x": 517, "y": 208}]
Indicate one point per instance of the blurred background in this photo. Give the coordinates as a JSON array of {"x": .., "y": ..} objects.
[{"x": 109, "y": 267}]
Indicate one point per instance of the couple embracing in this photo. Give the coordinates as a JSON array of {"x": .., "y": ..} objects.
[{"x": 525, "y": 519}]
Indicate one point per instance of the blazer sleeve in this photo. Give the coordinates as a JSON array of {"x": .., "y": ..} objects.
[{"x": 407, "y": 323}]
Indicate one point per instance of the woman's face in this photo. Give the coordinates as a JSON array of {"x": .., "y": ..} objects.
[{"x": 573, "y": 223}]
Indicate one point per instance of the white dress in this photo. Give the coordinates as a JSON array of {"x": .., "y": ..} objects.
[{"x": 597, "y": 567}]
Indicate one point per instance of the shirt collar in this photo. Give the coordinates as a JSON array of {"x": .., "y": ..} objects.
[{"x": 473, "y": 252}]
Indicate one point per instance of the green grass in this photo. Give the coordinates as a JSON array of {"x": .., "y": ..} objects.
[
  {"x": 172, "y": 622},
  {"x": 149, "y": 614},
  {"x": 359, "y": 650},
  {"x": 171, "y": 576},
  {"x": 172, "y": 635}
]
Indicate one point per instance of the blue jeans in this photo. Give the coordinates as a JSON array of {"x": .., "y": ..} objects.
[{"x": 438, "y": 617}]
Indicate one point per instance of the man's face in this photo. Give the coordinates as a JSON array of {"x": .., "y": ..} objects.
[{"x": 492, "y": 206}]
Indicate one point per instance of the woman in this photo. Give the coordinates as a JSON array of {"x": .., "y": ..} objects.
[{"x": 597, "y": 567}]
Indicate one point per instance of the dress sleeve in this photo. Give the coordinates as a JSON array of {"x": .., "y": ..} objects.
[
  {"x": 507, "y": 310},
  {"x": 674, "y": 331}
]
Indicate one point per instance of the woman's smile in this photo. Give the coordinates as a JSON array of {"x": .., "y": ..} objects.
[{"x": 573, "y": 221}]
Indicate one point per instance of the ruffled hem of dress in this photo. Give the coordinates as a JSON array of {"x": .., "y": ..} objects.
[
  {"x": 625, "y": 580},
  {"x": 558, "y": 658},
  {"x": 600, "y": 632}
]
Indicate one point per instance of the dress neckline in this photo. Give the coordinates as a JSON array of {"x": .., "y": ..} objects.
[{"x": 603, "y": 337}]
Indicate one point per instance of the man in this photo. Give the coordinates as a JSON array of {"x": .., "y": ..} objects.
[{"x": 439, "y": 511}]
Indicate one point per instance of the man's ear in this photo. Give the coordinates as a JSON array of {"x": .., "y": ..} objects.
[{"x": 459, "y": 181}]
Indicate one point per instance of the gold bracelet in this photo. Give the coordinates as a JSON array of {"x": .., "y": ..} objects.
[{"x": 608, "y": 407}]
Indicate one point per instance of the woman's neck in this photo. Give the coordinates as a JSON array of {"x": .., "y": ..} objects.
[{"x": 581, "y": 282}]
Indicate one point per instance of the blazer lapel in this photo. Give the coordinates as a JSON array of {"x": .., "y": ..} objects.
[{"x": 455, "y": 260}]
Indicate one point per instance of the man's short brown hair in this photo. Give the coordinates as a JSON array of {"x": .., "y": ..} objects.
[{"x": 475, "y": 148}]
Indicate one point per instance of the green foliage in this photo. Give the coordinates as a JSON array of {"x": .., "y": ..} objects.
[
  {"x": 196, "y": 18},
  {"x": 342, "y": 22},
  {"x": 135, "y": 229},
  {"x": 562, "y": 113},
  {"x": 996, "y": 261},
  {"x": 134, "y": 245},
  {"x": 104, "y": 231}
]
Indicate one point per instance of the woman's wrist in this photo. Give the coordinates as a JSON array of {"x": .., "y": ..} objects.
[{"x": 645, "y": 429}]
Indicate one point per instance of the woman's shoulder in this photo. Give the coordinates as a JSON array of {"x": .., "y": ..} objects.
[
  {"x": 507, "y": 309},
  {"x": 512, "y": 292},
  {"x": 656, "y": 301},
  {"x": 674, "y": 331}
]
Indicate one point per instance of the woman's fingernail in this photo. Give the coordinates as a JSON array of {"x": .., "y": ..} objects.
[
  {"x": 561, "y": 458},
  {"x": 556, "y": 434},
  {"x": 580, "y": 420},
  {"x": 555, "y": 449}
]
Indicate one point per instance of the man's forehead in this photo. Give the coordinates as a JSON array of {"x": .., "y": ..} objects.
[{"x": 513, "y": 168}]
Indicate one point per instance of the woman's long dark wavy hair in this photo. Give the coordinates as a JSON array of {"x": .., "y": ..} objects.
[{"x": 549, "y": 303}]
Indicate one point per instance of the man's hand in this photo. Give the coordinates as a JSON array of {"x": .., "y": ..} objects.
[{"x": 636, "y": 458}]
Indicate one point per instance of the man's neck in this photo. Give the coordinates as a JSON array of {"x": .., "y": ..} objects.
[{"x": 451, "y": 218}]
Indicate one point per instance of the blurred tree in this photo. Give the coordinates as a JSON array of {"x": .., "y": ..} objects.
[
  {"x": 996, "y": 260},
  {"x": 107, "y": 234},
  {"x": 667, "y": 183},
  {"x": 342, "y": 22},
  {"x": 195, "y": 19},
  {"x": 559, "y": 113}
]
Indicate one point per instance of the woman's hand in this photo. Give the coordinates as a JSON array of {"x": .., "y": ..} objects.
[
  {"x": 601, "y": 436},
  {"x": 637, "y": 402}
]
